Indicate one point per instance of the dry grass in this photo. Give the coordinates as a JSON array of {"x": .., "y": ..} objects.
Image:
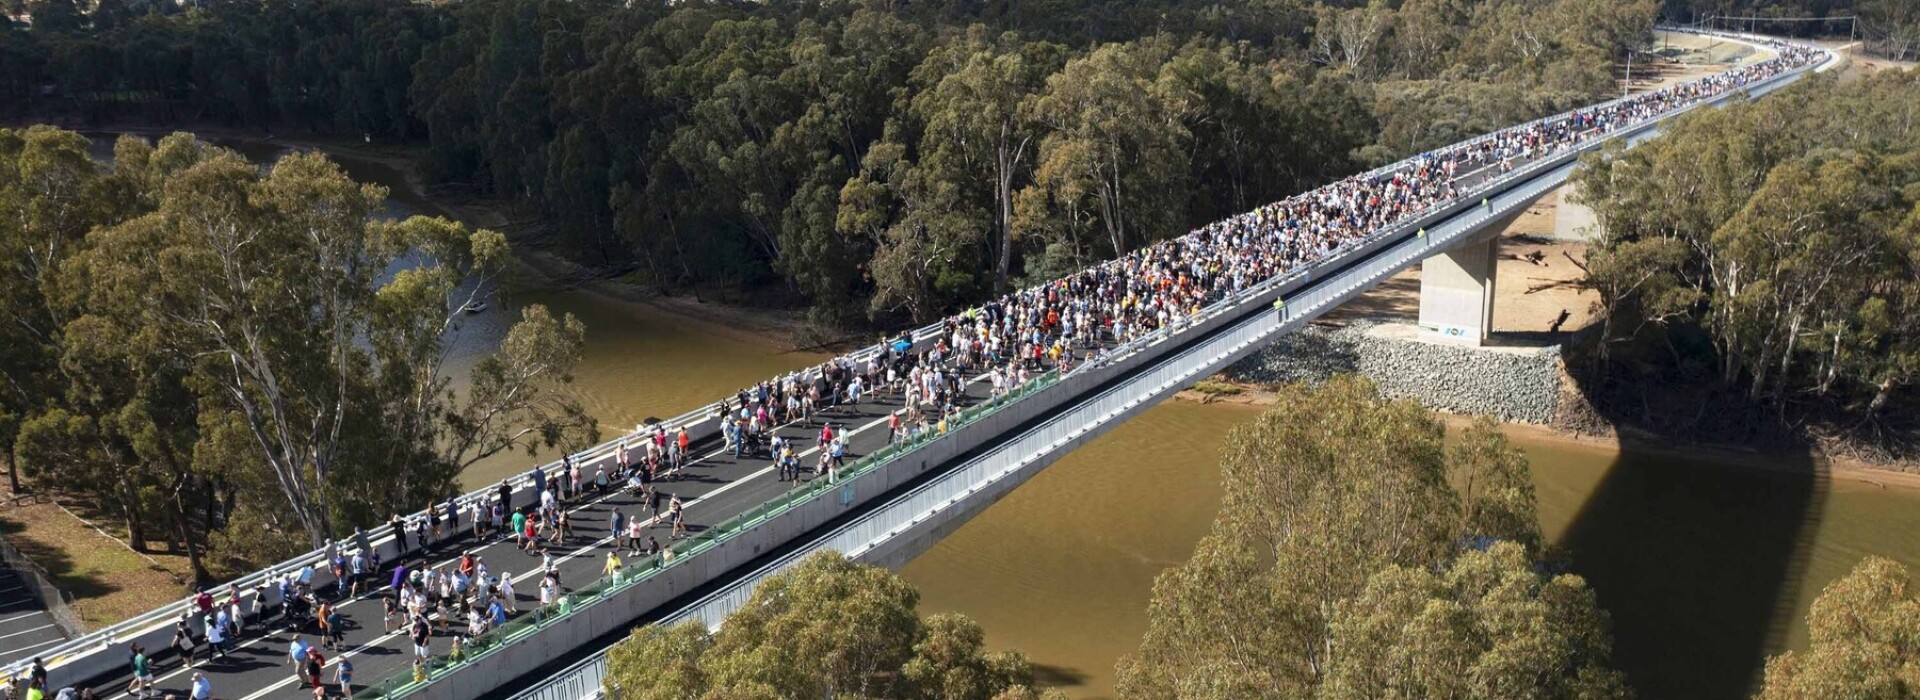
[
  {"x": 1213, "y": 387},
  {"x": 108, "y": 581},
  {"x": 1536, "y": 282}
]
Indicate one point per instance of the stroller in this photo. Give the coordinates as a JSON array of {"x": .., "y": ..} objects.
[{"x": 298, "y": 613}]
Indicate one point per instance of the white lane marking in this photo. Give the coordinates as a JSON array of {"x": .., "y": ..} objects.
[
  {"x": 376, "y": 642},
  {"x": 251, "y": 642},
  {"x": 11, "y": 618},
  {"x": 21, "y": 632},
  {"x": 11, "y": 652},
  {"x": 687, "y": 505}
]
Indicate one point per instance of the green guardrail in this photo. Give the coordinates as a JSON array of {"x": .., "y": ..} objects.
[{"x": 634, "y": 573}]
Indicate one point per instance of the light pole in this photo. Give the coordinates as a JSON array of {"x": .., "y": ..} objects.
[{"x": 1627, "y": 87}]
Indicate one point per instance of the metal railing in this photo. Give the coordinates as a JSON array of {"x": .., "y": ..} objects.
[
  {"x": 585, "y": 678},
  {"x": 162, "y": 618},
  {"x": 57, "y": 602},
  {"x": 582, "y": 599}
]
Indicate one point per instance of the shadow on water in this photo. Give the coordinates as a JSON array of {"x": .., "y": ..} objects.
[
  {"x": 1698, "y": 563},
  {"x": 1050, "y": 676}
]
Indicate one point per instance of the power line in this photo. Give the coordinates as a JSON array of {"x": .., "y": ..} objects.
[{"x": 1779, "y": 19}]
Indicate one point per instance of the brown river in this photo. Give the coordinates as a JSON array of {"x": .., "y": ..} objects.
[{"x": 1705, "y": 565}]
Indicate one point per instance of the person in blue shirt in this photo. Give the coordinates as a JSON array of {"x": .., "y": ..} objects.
[
  {"x": 343, "y": 675},
  {"x": 297, "y": 653},
  {"x": 356, "y": 572},
  {"x": 497, "y": 612},
  {"x": 202, "y": 688}
]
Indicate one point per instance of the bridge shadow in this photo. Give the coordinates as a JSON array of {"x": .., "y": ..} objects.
[
  {"x": 1051, "y": 676},
  {"x": 1699, "y": 558}
]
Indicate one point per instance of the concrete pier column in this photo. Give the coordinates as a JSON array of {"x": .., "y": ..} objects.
[
  {"x": 1456, "y": 291},
  {"x": 1573, "y": 221}
]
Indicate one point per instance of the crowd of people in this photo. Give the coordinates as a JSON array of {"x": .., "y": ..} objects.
[
  {"x": 1006, "y": 342},
  {"x": 1053, "y": 325}
]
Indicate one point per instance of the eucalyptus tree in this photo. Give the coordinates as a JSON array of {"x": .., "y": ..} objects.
[
  {"x": 1113, "y": 159},
  {"x": 1488, "y": 624},
  {"x": 1357, "y": 555},
  {"x": 826, "y": 627},
  {"x": 49, "y": 187},
  {"x": 322, "y": 331},
  {"x": 978, "y": 127},
  {"x": 1864, "y": 640}
]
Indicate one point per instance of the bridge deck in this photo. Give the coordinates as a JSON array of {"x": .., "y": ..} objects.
[{"x": 713, "y": 488}]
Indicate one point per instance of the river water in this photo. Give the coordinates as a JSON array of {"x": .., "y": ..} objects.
[
  {"x": 640, "y": 361},
  {"x": 1705, "y": 565}
]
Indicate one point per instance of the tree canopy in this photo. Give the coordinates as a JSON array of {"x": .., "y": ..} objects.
[
  {"x": 1771, "y": 247},
  {"x": 1357, "y": 555},
  {"x": 1865, "y": 631},
  {"x": 826, "y": 627},
  {"x": 196, "y": 342},
  {"x": 872, "y": 162}
]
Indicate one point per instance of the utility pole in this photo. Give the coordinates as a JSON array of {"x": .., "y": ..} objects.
[{"x": 1628, "y": 86}]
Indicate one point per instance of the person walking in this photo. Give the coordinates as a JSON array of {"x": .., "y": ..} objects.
[
  {"x": 336, "y": 628},
  {"x": 420, "y": 633},
  {"x": 616, "y": 524},
  {"x": 216, "y": 639},
  {"x": 320, "y": 616},
  {"x": 184, "y": 644},
  {"x": 507, "y": 595},
  {"x": 297, "y": 655},
  {"x": 390, "y": 611},
  {"x": 142, "y": 684},
  {"x": 202, "y": 688},
  {"x": 343, "y": 676},
  {"x": 315, "y": 668}
]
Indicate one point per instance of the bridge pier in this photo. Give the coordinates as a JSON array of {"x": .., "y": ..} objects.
[
  {"x": 1456, "y": 289},
  {"x": 1457, "y": 285},
  {"x": 1572, "y": 221}
]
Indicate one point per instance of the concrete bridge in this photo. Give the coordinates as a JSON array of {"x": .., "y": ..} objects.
[{"x": 891, "y": 502}]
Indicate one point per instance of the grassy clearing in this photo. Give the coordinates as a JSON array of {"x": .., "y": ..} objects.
[{"x": 109, "y": 582}]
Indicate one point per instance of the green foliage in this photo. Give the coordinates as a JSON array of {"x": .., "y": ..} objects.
[
  {"x": 1488, "y": 625},
  {"x": 1784, "y": 231},
  {"x": 875, "y": 161},
  {"x": 1344, "y": 563},
  {"x": 203, "y": 345},
  {"x": 1886, "y": 28},
  {"x": 1865, "y": 631},
  {"x": 1495, "y": 487},
  {"x": 825, "y": 628}
]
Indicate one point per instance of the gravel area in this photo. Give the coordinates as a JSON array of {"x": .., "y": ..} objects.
[{"x": 1511, "y": 384}]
